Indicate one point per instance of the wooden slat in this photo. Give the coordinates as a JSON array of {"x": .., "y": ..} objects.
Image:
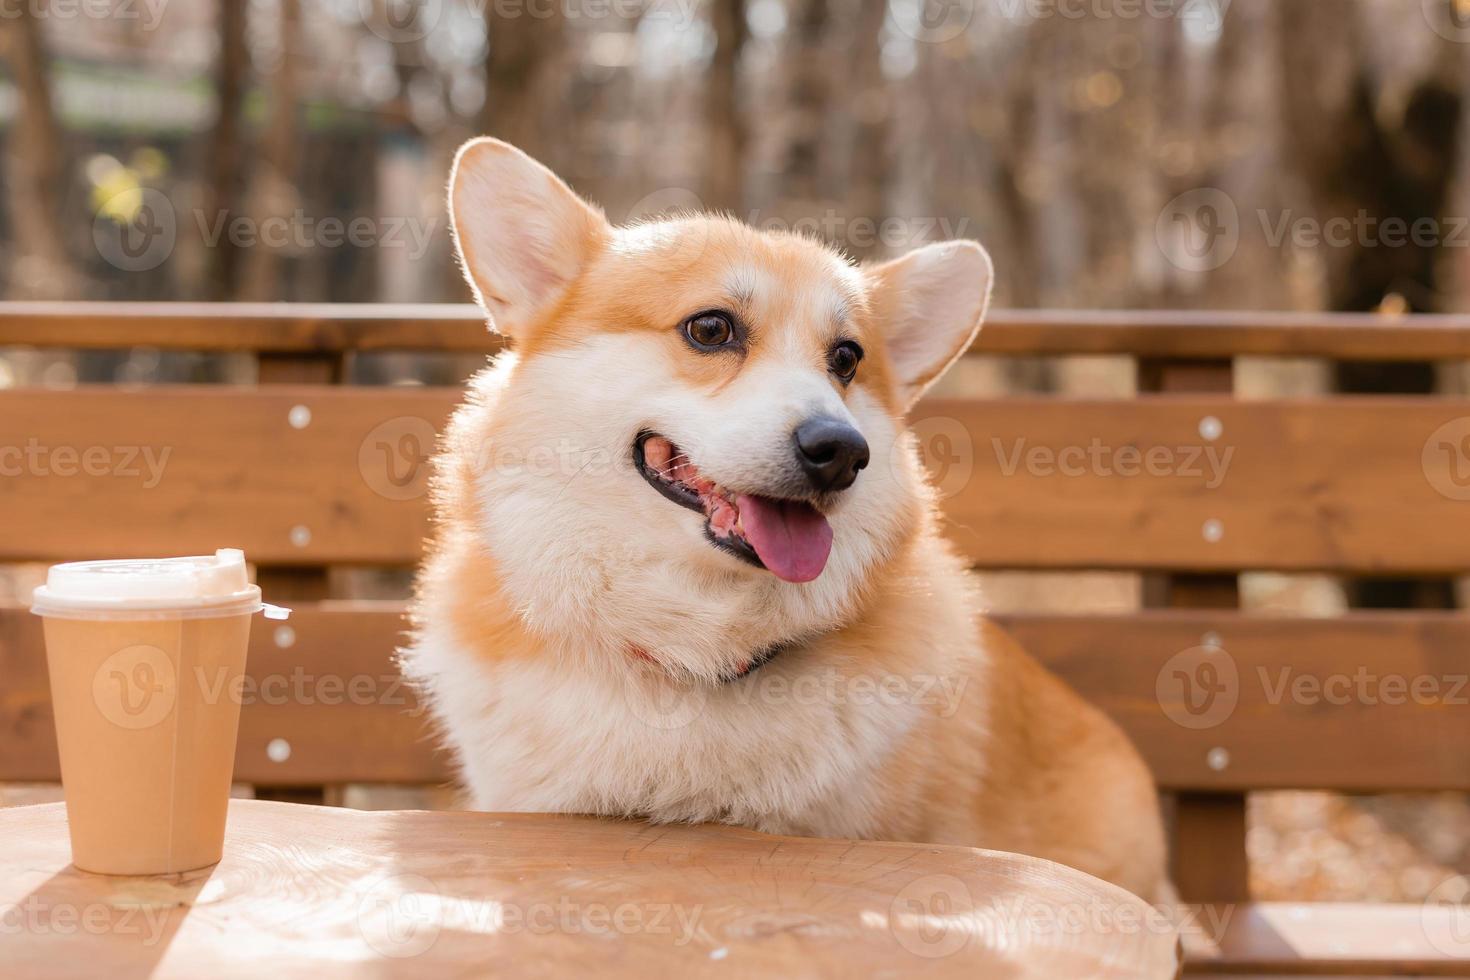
[
  {"x": 1297, "y": 720},
  {"x": 1207, "y": 856},
  {"x": 1326, "y": 939},
  {"x": 460, "y": 328},
  {"x": 334, "y": 695},
  {"x": 229, "y": 468},
  {"x": 1333, "y": 484},
  {"x": 318, "y": 892},
  {"x": 1194, "y": 376},
  {"x": 1271, "y": 738},
  {"x": 249, "y": 327},
  {"x": 1323, "y": 484},
  {"x": 1206, "y": 334}
]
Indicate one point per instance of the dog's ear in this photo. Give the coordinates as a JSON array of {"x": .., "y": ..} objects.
[
  {"x": 522, "y": 235},
  {"x": 931, "y": 302}
]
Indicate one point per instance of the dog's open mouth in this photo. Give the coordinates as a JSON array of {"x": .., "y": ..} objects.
[{"x": 789, "y": 537}]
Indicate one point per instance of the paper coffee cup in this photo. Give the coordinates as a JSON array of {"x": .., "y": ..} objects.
[{"x": 146, "y": 659}]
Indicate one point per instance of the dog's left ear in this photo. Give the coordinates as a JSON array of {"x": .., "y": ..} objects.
[
  {"x": 930, "y": 302},
  {"x": 522, "y": 235}
]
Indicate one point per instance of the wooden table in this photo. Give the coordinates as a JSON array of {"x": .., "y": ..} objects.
[{"x": 307, "y": 891}]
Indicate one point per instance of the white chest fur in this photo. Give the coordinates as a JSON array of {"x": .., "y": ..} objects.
[{"x": 792, "y": 748}]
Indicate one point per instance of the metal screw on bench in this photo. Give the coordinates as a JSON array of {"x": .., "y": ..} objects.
[
  {"x": 1218, "y": 758},
  {"x": 278, "y": 750},
  {"x": 285, "y": 637},
  {"x": 1210, "y": 640},
  {"x": 298, "y": 418},
  {"x": 1213, "y": 530},
  {"x": 1210, "y": 428}
]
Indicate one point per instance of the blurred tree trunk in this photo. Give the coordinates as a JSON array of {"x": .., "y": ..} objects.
[
  {"x": 725, "y": 131},
  {"x": 519, "y": 81},
  {"x": 1233, "y": 150},
  {"x": 1110, "y": 112},
  {"x": 225, "y": 148},
  {"x": 1360, "y": 154},
  {"x": 37, "y": 168},
  {"x": 274, "y": 193},
  {"x": 808, "y": 104},
  {"x": 872, "y": 160},
  {"x": 1019, "y": 174}
]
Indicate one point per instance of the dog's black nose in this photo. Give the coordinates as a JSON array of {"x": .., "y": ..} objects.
[{"x": 830, "y": 453}]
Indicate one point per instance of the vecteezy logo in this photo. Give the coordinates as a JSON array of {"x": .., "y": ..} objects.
[
  {"x": 401, "y": 915},
  {"x": 1208, "y": 14},
  {"x": 932, "y": 21},
  {"x": 665, "y": 202},
  {"x": 403, "y": 21},
  {"x": 1450, "y": 19},
  {"x": 1445, "y": 917},
  {"x": 669, "y": 203},
  {"x": 1199, "y": 230},
  {"x": 1446, "y": 459},
  {"x": 664, "y": 703},
  {"x": 1198, "y": 688},
  {"x": 136, "y": 687},
  {"x": 136, "y": 229},
  {"x": 393, "y": 458},
  {"x": 933, "y": 916},
  {"x": 946, "y": 451}
]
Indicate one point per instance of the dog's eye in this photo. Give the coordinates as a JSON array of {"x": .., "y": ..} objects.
[
  {"x": 843, "y": 359},
  {"x": 707, "y": 331}
]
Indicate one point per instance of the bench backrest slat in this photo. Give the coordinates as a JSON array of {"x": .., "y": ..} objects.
[
  {"x": 332, "y": 474},
  {"x": 1276, "y": 697},
  {"x": 317, "y": 328}
]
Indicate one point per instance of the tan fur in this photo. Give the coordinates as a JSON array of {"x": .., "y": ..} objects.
[{"x": 571, "y": 629}]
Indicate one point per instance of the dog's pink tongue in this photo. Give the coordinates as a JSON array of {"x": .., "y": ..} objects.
[{"x": 792, "y": 539}]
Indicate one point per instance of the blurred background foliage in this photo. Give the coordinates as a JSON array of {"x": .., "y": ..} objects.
[{"x": 1056, "y": 131}]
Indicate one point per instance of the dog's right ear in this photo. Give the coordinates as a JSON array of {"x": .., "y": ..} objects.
[
  {"x": 934, "y": 299},
  {"x": 522, "y": 235}
]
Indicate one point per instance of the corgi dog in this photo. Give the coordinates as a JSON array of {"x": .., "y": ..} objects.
[{"x": 687, "y": 566}]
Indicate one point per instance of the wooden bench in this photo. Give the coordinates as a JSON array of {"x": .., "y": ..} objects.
[{"x": 313, "y": 476}]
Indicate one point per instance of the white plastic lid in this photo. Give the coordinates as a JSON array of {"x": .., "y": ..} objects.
[{"x": 195, "y": 587}]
